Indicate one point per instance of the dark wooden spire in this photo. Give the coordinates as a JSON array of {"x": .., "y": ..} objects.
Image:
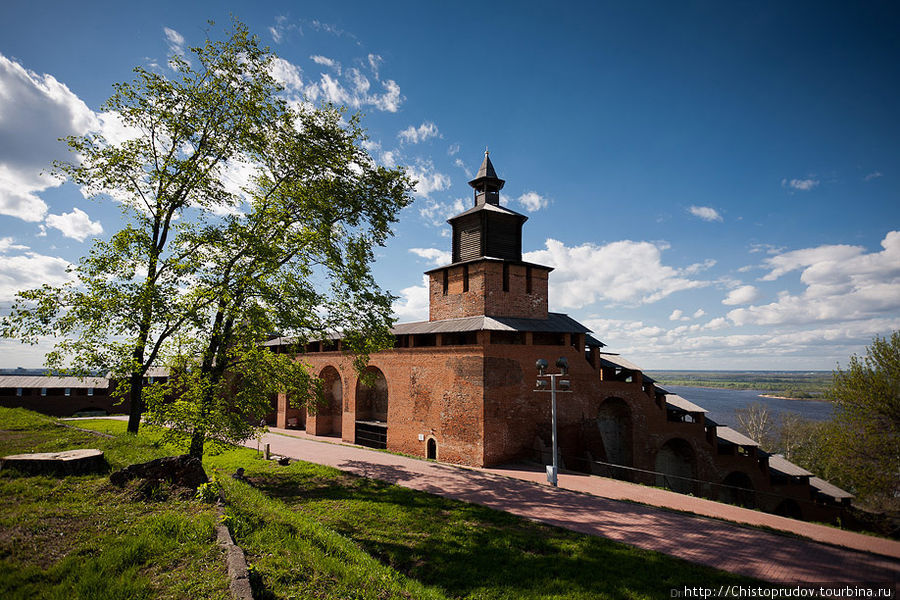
[
  {"x": 487, "y": 230},
  {"x": 486, "y": 183}
]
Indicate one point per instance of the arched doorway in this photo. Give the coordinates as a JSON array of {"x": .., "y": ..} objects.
[
  {"x": 789, "y": 508},
  {"x": 372, "y": 409},
  {"x": 615, "y": 426},
  {"x": 738, "y": 489},
  {"x": 431, "y": 451},
  {"x": 677, "y": 465},
  {"x": 330, "y": 412}
]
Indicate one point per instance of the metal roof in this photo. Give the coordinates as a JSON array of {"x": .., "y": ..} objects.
[
  {"x": 735, "y": 437},
  {"x": 681, "y": 403},
  {"x": 49, "y": 381},
  {"x": 554, "y": 323},
  {"x": 490, "y": 208},
  {"x": 614, "y": 360},
  {"x": 783, "y": 465},
  {"x": 828, "y": 489},
  {"x": 590, "y": 340}
]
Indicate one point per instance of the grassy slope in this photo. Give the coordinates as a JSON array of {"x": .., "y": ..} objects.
[
  {"x": 79, "y": 537},
  {"x": 314, "y": 531}
]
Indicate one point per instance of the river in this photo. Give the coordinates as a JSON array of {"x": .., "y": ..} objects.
[{"x": 721, "y": 403}]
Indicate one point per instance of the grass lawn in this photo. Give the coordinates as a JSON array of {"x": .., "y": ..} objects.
[
  {"x": 79, "y": 537},
  {"x": 315, "y": 532}
]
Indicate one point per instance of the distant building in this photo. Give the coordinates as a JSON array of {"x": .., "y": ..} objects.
[{"x": 460, "y": 387}]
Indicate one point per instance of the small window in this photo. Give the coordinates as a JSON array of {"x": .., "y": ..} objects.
[
  {"x": 446, "y": 274},
  {"x": 465, "y": 278},
  {"x": 68, "y": 391},
  {"x": 527, "y": 280},
  {"x": 90, "y": 391},
  {"x": 505, "y": 277},
  {"x": 43, "y": 391},
  {"x": 18, "y": 391}
]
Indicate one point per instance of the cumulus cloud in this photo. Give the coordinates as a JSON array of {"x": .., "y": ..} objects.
[
  {"x": 678, "y": 315},
  {"x": 707, "y": 213},
  {"x": 432, "y": 255},
  {"x": 532, "y": 201},
  {"x": 412, "y": 305},
  {"x": 804, "y": 185},
  {"x": 843, "y": 284},
  {"x": 76, "y": 224},
  {"x": 31, "y": 270},
  {"x": 623, "y": 272},
  {"x": 742, "y": 295},
  {"x": 414, "y": 135},
  {"x": 35, "y": 111},
  {"x": 428, "y": 179}
]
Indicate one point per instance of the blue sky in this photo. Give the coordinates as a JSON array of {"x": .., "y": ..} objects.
[{"x": 716, "y": 184}]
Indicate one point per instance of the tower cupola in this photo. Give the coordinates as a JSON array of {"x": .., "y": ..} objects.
[
  {"x": 486, "y": 183},
  {"x": 487, "y": 230}
]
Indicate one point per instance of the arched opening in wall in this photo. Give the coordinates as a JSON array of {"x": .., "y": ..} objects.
[
  {"x": 295, "y": 413},
  {"x": 614, "y": 423},
  {"x": 676, "y": 464},
  {"x": 789, "y": 508},
  {"x": 431, "y": 450},
  {"x": 372, "y": 409},
  {"x": 737, "y": 488},
  {"x": 329, "y": 415}
]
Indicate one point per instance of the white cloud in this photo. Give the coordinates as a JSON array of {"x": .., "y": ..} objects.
[
  {"x": 414, "y": 135},
  {"x": 453, "y": 149},
  {"x": 175, "y": 40},
  {"x": 843, "y": 284},
  {"x": 326, "y": 62},
  {"x": 35, "y": 111},
  {"x": 742, "y": 295},
  {"x": 532, "y": 201},
  {"x": 412, "y": 305},
  {"x": 8, "y": 243},
  {"x": 437, "y": 213},
  {"x": 428, "y": 180},
  {"x": 287, "y": 74},
  {"x": 433, "y": 255},
  {"x": 678, "y": 315},
  {"x": 76, "y": 224},
  {"x": 699, "y": 313},
  {"x": 873, "y": 175},
  {"x": 623, "y": 272},
  {"x": 707, "y": 213},
  {"x": 29, "y": 271},
  {"x": 803, "y": 185},
  {"x": 375, "y": 61}
]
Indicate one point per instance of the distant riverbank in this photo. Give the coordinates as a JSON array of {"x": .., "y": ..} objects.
[
  {"x": 794, "y": 385},
  {"x": 720, "y": 403}
]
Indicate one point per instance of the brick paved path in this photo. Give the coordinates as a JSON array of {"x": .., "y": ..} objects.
[{"x": 582, "y": 507}]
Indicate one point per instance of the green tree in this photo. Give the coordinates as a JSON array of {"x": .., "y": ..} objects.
[
  {"x": 178, "y": 273},
  {"x": 864, "y": 436},
  {"x": 299, "y": 261}
]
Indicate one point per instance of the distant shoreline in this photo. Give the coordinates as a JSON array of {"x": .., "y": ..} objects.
[{"x": 760, "y": 393}]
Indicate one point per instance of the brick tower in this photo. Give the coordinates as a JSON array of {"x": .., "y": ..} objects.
[{"x": 488, "y": 276}]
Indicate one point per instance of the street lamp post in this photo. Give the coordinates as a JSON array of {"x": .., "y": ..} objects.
[{"x": 557, "y": 384}]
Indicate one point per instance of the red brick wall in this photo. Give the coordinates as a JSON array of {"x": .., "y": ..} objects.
[{"x": 485, "y": 295}]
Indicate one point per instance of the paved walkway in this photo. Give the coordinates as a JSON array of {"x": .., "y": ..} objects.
[{"x": 594, "y": 505}]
